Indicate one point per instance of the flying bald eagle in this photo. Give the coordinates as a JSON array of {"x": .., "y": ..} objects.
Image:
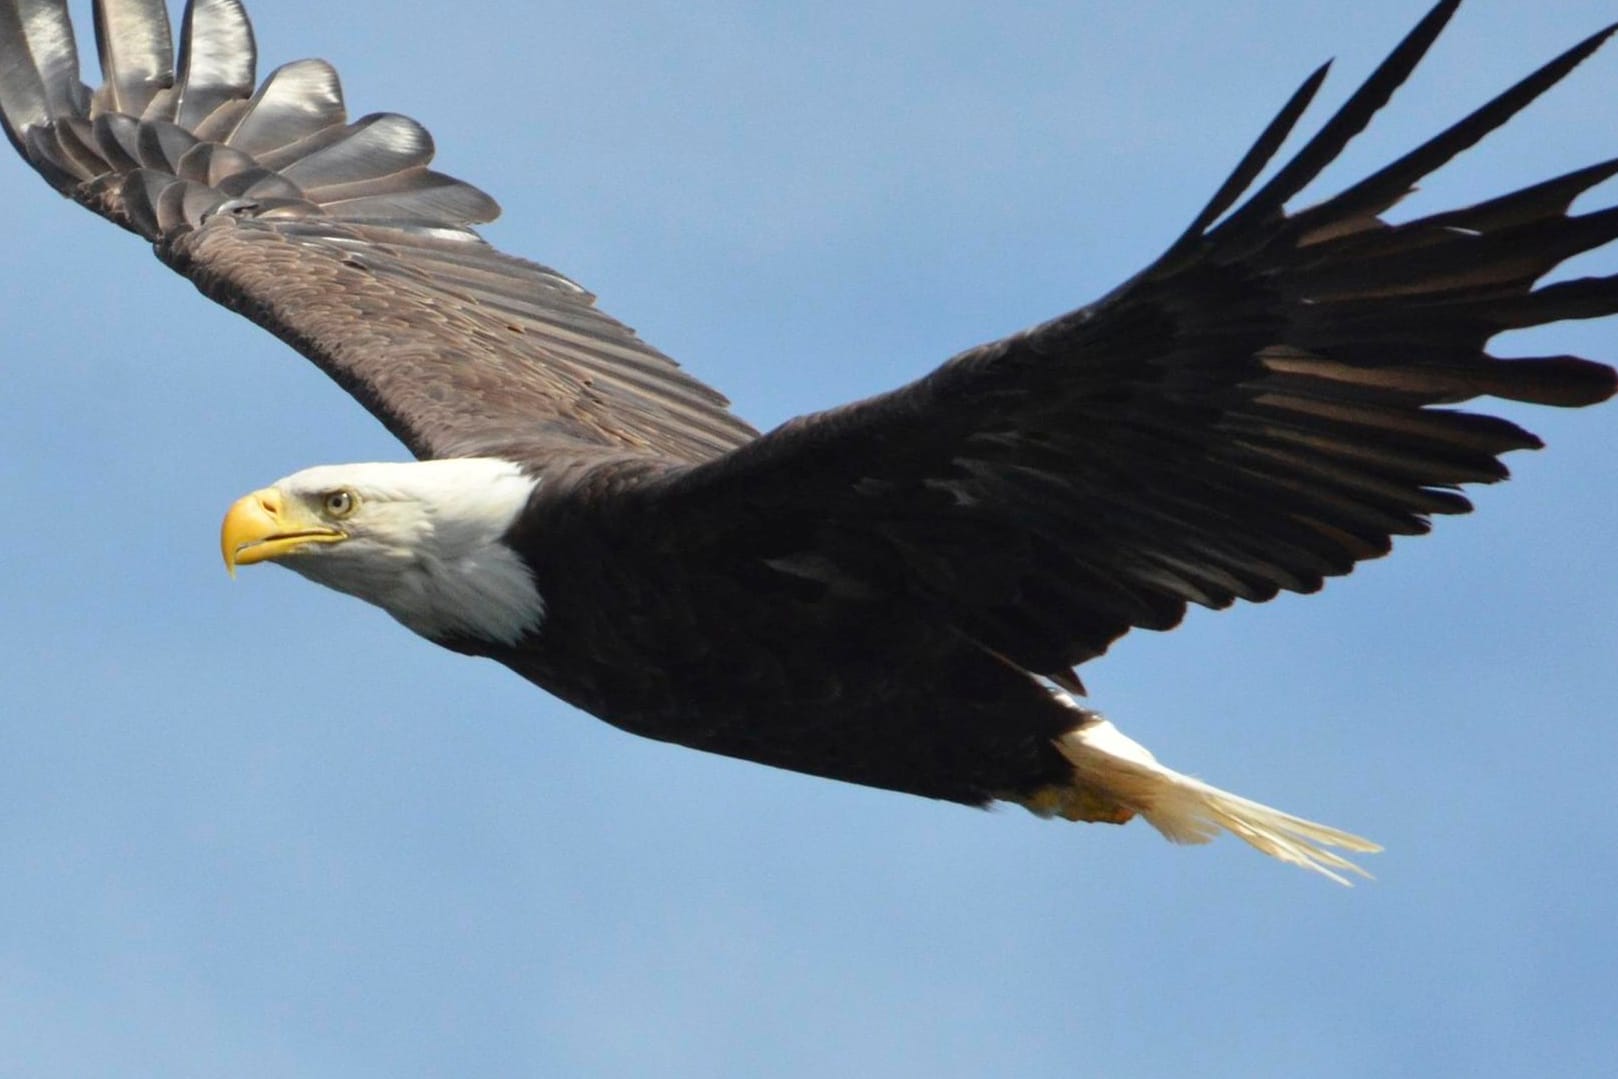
[{"x": 896, "y": 592}]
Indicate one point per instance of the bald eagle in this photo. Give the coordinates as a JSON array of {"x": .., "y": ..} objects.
[{"x": 893, "y": 593}]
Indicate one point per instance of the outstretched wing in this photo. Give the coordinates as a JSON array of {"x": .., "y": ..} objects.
[
  {"x": 337, "y": 237},
  {"x": 1253, "y": 413}
]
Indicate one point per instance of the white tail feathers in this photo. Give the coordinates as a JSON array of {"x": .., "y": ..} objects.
[{"x": 1188, "y": 810}]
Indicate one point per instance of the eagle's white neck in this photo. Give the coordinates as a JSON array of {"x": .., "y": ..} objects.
[{"x": 425, "y": 545}]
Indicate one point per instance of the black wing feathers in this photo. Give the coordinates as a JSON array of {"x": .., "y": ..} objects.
[
  {"x": 1381, "y": 190},
  {"x": 1259, "y": 155},
  {"x": 1348, "y": 121},
  {"x": 1253, "y": 413}
]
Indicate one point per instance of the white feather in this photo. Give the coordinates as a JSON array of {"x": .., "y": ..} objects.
[
  {"x": 424, "y": 544},
  {"x": 1187, "y": 810}
]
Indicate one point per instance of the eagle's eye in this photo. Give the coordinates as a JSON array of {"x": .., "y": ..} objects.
[{"x": 340, "y": 504}]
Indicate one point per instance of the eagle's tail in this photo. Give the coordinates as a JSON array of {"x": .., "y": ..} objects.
[{"x": 1116, "y": 777}]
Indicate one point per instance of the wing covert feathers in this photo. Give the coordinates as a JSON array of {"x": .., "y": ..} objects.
[{"x": 337, "y": 237}]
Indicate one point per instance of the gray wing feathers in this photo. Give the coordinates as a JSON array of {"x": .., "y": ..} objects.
[
  {"x": 298, "y": 100},
  {"x": 39, "y": 67},
  {"x": 137, "y": 54},
  {"x": 379, "y": 145},
  {"x": 482, "y": 352},
  {"x": 217, "y": 60}
]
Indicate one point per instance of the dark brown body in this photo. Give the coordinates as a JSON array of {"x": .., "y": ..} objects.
[{"x": 707, "y": 645}]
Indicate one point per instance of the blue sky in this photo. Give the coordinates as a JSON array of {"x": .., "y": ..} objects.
[{"x": 255, "y": 828}]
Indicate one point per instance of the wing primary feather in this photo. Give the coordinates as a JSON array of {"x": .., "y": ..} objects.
[
  {"x": 296, "y": 100},
  {"x": 1541, "y": 200},
  {"x": 372, "y": 147},
  {"x": 23, "y": 104},
  {"x": 1385, "y": 187},
  {"x": 1474, "y": 261},
  {"x": 39, "y": 67},
  {"x": 1436, "y": 430},
  {"x": 1348, "y": 122},
  {"x": 1559, "y": 381},
  {"x": 1253, "y": 162},
  {"x": 218, "y": 59},
  {"x": 136, "y": 50},
  {"x": 1586, "y": 297}
]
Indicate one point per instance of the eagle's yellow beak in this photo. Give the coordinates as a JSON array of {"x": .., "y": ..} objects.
[{"x": 263, "y": 525}]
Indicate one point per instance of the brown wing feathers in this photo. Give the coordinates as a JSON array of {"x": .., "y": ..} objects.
[{"x": 338, "y": 238}]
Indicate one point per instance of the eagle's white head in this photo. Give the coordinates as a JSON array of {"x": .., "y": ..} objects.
[{"x": 422, "y": 540}]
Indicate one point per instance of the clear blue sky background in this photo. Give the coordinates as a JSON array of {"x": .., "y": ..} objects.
[{"x": 255, "y": 828}]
